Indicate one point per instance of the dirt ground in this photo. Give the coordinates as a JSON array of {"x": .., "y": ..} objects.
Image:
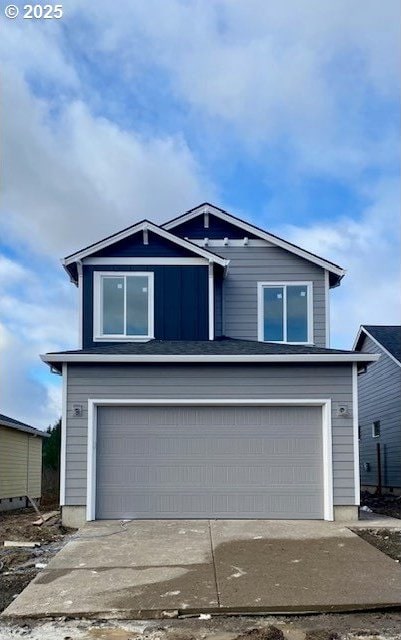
[
  {"x": 386, "y": 540},
  {"x": 387, "y": 505},
  {"x": 352, "y": 626},
  {"x": 17, "y": 565}
]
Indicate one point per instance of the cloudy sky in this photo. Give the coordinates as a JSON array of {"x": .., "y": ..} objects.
[{"x": 284, "y": 112}]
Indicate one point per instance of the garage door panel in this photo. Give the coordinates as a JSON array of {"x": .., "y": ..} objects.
[
  {"x": 161, "y": 462},
  {"x": 233, "y": 477},
  {"x": 221, "y": 505},
  {"x": 209, "y": 444}
]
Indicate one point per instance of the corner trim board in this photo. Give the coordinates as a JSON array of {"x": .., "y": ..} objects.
[
  {"x": 355, "y": 421},
  {"x": 211, "y": 301},
  {"x": 63, "y": 447},
  {"x": 327, "y": 306},
  {"x": 324, "y": 403}
]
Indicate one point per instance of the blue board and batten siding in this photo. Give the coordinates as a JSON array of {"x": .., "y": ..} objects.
[
  {"x": 200, "y": 381},
  {"x": 180, "y": 301},
  {"x": 217, "y": 229},
  {"x": 133, "y": 246},
  {"x": 380, "y": 399}
]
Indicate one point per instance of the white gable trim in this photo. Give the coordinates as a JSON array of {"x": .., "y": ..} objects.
[
  {"x": 145, "y": 226},
  {"x": 379, "y": 344},
  {"x": 257, "y": 232}
]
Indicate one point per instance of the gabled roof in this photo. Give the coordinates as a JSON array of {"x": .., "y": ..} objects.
[
  {"x": 220, "y": 350},
  {"x": 6, "y": 421},
  {"x": 334, "y": 269},
  {"x": 388, "y": 337},
  {"x": 144, "y": 225}
]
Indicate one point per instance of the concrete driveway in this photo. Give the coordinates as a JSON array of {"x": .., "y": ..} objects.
[{"x": 153, "y": 569}]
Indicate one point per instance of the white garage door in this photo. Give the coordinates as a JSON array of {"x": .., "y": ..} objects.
[{"x": 209, "y": 462}]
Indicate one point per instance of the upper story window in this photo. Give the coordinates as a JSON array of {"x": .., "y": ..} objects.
[
  {"x": 123, "y": 306},
  {"x": 285, "y": 312}
]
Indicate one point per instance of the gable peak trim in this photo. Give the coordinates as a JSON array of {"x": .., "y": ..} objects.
[
  {"x": 145, "y": 226},
  {"x": 206, "y": 207}
]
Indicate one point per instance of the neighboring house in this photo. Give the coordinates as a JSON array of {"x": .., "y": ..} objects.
[
  {"x": 380, "y": 408},
  {"x": 20, "y": 463},
  {"x": 204, "y": 385}
]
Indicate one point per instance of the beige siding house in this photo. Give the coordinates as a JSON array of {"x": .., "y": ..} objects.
[{"x": 20, "y": 463}]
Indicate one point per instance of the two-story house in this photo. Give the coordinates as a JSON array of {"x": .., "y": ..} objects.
[
  {"x": 204, "y": 385},
  {"x": 379, "y": 393}
]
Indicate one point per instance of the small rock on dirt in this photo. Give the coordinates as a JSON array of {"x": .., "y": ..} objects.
[
  {"x": 321, "y": 634},
  {"x": 268, "y": 633}
]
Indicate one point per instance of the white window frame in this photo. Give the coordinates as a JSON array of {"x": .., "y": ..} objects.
[
  {"x": 374, "y": 435},
  {"x": 98, "y": 335},
  {"x": 284, "y": 284}
]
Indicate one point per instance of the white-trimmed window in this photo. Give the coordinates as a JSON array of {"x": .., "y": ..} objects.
[
  {"x": 123, "y": 305},
  {"x": 285, "y": 312},
  {"x": 376, "y": 429}
]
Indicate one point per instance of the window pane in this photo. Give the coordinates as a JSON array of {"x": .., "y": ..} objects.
[
  {"x": 113, "y": 306},
  {"x": 297, "y": 314},
  {"x": 273, "y": 313},
  {"x": 137, "y": 305}
]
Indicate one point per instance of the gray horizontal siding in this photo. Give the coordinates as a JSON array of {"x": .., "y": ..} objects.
[
  {"x": 250, "y": 265},
  {"x": 380, "y": 399},
  {"x": 209, "y": 381}
]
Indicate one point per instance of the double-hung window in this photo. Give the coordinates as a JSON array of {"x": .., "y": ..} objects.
[
  {"x": 285, "y": 312},
  {"x": 123, "y": 306}
]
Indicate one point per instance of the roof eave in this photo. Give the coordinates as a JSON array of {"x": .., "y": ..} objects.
[
  {"x": 52, "y": 359},
  {"x": 24, "y": 429}
]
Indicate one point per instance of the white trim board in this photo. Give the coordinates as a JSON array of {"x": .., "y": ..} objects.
[
  {"x": 147, "y": 261},
  {"x": 144, "y": 226},
  {"x": 327, "y": 306},
  {"x": 63, "y": 447},
  {"x": 325, "y": 264},
  {"x": 211, "y": 301},
  {"x": 231, "y": 242},
  {"x": 281, "y": 283},
  {"x": 325, "y": 403},
  {"x": 379, "y": 344},
  {"x": 301, "y": 358},
  {"x": 355, "y": 434}
]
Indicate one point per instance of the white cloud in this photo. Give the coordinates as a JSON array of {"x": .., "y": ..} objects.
[
  {"x": 275, "y": 73},
  {"x": 71, "y": 180},
  {"x": 368, "y": 248},
  {"x": 37, "y": 314}
]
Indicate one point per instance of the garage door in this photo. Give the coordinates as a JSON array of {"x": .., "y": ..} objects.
[{"x": 209, "y": 462}]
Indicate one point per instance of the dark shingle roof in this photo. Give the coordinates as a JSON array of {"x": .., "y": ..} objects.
[
  {"x": 389, "y": 336},
  {"x": 6, "y": 421},
  {"x": 223, "y": 346}
]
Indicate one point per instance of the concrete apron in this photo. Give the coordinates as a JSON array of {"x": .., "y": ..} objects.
[{"x": 155, "y": 569}]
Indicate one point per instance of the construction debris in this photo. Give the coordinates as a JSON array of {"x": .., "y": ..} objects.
[
  {"x": 45, "y": 517},
  {"x": 21, "y": 543}
]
